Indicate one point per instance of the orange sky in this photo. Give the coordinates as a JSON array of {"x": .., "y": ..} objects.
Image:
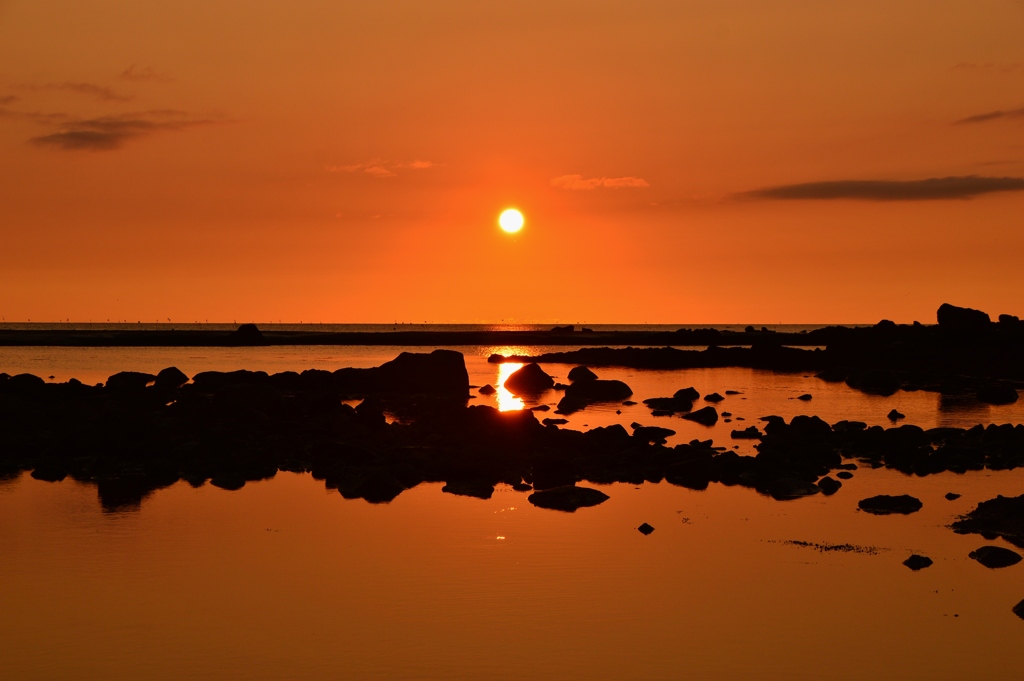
[{"x": 335, "y": 161}]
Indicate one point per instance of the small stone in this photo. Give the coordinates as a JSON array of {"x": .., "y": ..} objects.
[
  {"x": 952, "y": 496},
  {"x": 895, "y": 415},
  {"x": 645, "y": 529},
  {"x": 844, "y": 475},
  {"x": 806, "y": 397},
  {"x": 917, "y": 562}
]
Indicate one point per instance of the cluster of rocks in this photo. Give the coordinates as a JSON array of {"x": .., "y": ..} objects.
[{"x": 584, "y": 387}]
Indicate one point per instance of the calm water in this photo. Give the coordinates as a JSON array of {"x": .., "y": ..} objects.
[{"x": 287, "y": 580}]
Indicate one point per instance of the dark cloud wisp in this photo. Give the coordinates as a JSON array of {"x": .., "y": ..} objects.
[
  {"x": 111, "y": 132},
  {"x": 935, "y": 188},
  {"x": 991, "y": 116},
  {"x": 100, "y": 92}
]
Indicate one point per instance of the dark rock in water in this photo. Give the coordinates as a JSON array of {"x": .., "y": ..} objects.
[
  {"x": 653, "y": 434},
  {"x": 586, "y": 329},
  {"x": 567, "y": 498},
  {"x": 229, "y": 481},
  {"x": 129, "y": 381},
  {"x": 997, "y": 394},
  {"x": 170, "y": 378},
  {"x": 49, "y": 473},
  {"x": 487, "y": 390},
  {"x": 713, "y": 397},
  {"x": 961, "y": 318},
  {"x": 832, "y": 375},
  {"x": 568, "y": 328},
  {"x": 469, "y": 488},
  {"x": 581, "y": 374},
  {"x": 917, "y": 562},
  {"x": 995, "y": 556},
  {"x": 844, "y": 475},
  {"x": 875, "y": 382},
  {"x": 541, "y": 407},
  {"x": 707, "y": 416},
  {"x": 441, "y": 372},
  {"x": 726, "y": 413},
  {"x": 885, "y": 504},
  {"x": 583, "y": 393},
  {"x": 806, "y": 397},
  {"x": 952, "y": 496},
  {"x": 666, "y": 406},
  {"x": 829, "y": 486},
  {"x": 247, "y": 334},
  {"x": 895, "y": 415},
  {"x": 690, "y": 394},
  {"x": 560, "y": 386},
  {"x": 1018, "y": 610},
  {"x": 999, "y": 517},
  {"x": 751, "y": 433},
  {"x": 529, "y": 380},
  {"x": 495, "y": 358},
  {"x": 522, "y": 487},
  {"x": 733, "y": 392},
  {"x": 645, "y": 529},
  {"x": 554, "y": 422},
  {"x": 628, "y": 403}
]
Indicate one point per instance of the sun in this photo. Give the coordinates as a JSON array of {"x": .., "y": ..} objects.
[{"x": 511, "y": 220}]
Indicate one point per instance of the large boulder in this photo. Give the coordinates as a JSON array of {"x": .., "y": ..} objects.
[
  {"x": 129, "y": 381},
  {"x": 961, "y": 318},
  {"x": 708, "y": 416},
  {"x": 995, "y": 556},
  {"x": 529, "y": 380},
  {"x": 885, "y": 504},
  {"x": 580, "y": 394},
  {"x": 441, "y": 372},
  {"x": 581, "y": 373},
  {"x": 171, "y": 377},
  {"x": 999, "y": 517}
]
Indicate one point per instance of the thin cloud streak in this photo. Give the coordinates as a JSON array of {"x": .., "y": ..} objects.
[
  {"x": 378, "y": 168},
  {"x": 106, "y": 133},
  {"x": 146, "y": 73},
  {"x": 991, "y": 116},
  {"x": 936, "y": 188},
  {"x": 100, "y": 92},
  {"x": 579, "y": 183}
]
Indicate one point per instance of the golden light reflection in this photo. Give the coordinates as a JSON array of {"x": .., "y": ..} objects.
[{"x": 506, "y": 400}]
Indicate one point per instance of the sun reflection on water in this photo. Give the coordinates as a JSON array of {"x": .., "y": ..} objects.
[{"x": 506, "y": 400}]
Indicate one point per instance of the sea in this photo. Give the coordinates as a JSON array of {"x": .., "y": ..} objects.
[{"x": 285, "y": 579}]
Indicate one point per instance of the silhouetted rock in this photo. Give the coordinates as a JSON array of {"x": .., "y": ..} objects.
[
  {"x": 469, "y": 488},
  {"x": 669, "y": 405},
  {"x": 581, "y": 373},
  {"x": 645, "y": 529},
  {"x": 569, "y": 328},
  {"x": 690, "y": 394},
  {"x": 247, "y": 334},
  {"x": 997, "y": 394},
  {"x": 129, "y": 381},
  {"x": 885, "y": 504},
  {"x": 917, "y": 562},
  {"x": 529, "y": 380},
  {"x": 441, "y": 372},
  {"x": 653, "y": 434},
  {"x": 713, "y": 397},
  {"x": 806, "y": 397},
  {"x": 829, "y": 486},
  {"x": 170, "y": 378},
  {"x": 228, "y": 481},
  {"x": 554, "y": 422},
  {"x": 952, "y": 496},
  {"x": 787, "y": 488},
  {"x": 487, "y": 390},
  {"x": 708, "y": 416},
  {"x": 844, "y": 475},
  {"x": 751, "y": 433},
  {"x": 49, "y": 473},
  {"x": 875, "y": 382},
  {"x": 999, "y": 517},
  {"x": 567, "y": 498},
  {"x": 995, "y": 556},
  {"x": 583, "y": 393},
  {"x": 540, "y": 407},
  {"x": 894, "y": 415},
  {"x": 522, "y": 487},
  {"x": 961, "y": 318},
  {"x": 733, "y": 392},
  {"x": 1018, "y": 610}
]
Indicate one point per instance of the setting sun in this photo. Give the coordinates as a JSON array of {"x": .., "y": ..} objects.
[{"x": 511, "y": 220}]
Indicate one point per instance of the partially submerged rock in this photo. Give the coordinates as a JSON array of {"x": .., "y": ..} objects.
[
  {"x": 581, "y": 373},
  {"x": 885, "y": 504},
  {"x": 751, "y": 433},
  {"x": 652, "y": 434},
  {"x": 894, "y": 415},
  {"x": 567, "y": 498},
  {"x": 469, "y": 488},
  {"x": 1018, "y": 610},
  {"x": 917, "y": 562},
  {"x": 713, "y": 397},
  {"x": 997, "y": 394},
  {"x": 487, "y": 390},
  {"x": 999, "y": 517},
  {"x": 708, "y": 416},
  {"x": 582, "y": 393},
  {"x": 952, "y": 496},
  {"x": 995, "y": 556},
  {"x": 829, "y": 486},
  {"x": 645, "y": 529},
  {"x": 529, "y": 380}
]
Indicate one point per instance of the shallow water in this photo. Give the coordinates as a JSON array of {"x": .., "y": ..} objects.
[{"x": 284, "y": 579}]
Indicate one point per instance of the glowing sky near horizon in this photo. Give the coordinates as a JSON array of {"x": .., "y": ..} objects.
[{"x": 690, "y": 162}]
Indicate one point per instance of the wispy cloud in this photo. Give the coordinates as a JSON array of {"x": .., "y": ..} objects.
[
  {"x": 111, "y": 132},
  {"x": 133, "y": 73},
  {"x": 100, "y": 92},
  {"x": 379, "y": 168},
  {"x": 991, "y": 116},
  {"x": 889, "y": 190},
  {"x": 579, "y": 183}
]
